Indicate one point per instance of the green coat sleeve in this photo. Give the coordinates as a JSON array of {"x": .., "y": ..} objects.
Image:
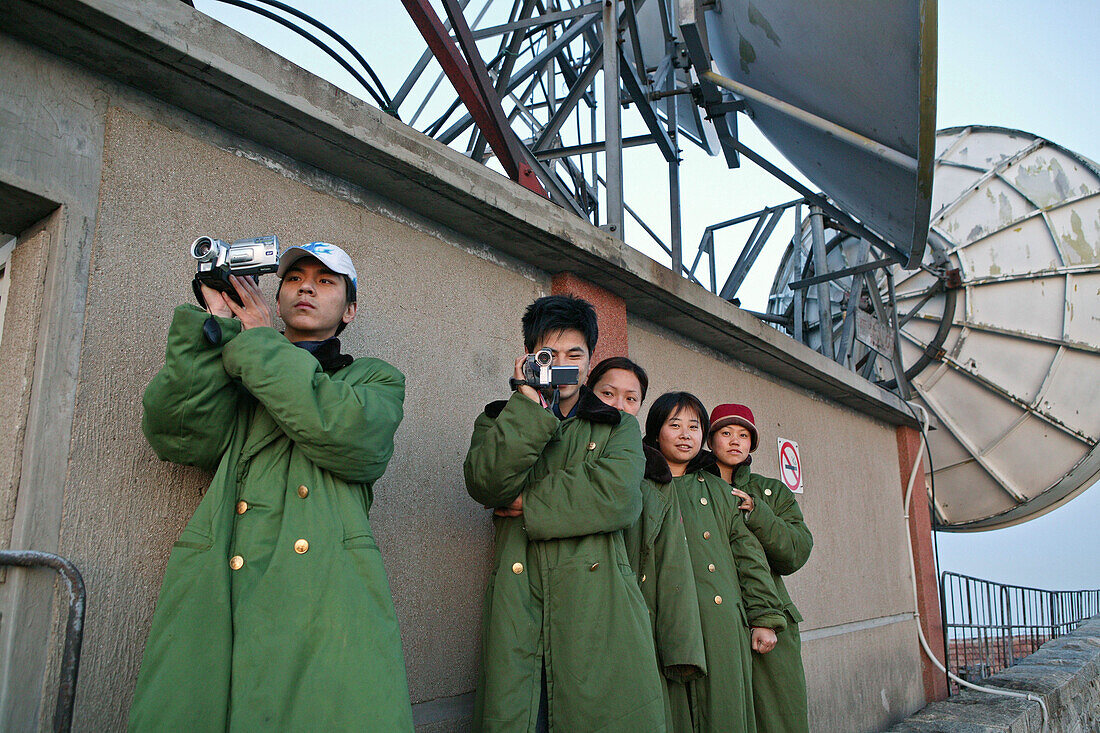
[
  {"x": 344, "y": 426},
  {"x": 762, "y": 603},
  {"x": 190, "y": 407},
  {"x": 678, "y": 631},
  {"x": 504, "y": 449},
  {"x": 781, "y": 529},
  {"x": 591, "y": 494}
]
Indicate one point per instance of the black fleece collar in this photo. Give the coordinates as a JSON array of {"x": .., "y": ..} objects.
[
  {"x": 740, "y": 474},
  {"x": 656, "y": 467},
  {"x": 327, "y": 352},
  {"x": 589, "y": 408}
]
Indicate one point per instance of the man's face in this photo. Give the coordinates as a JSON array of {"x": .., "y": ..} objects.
[
  {"x": 569, "y": 349},
  {"x": 312, "y": 301},
  {"x": 731, "y": 444}
]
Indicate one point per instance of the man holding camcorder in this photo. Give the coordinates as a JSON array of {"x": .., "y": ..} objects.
[
  {"x": 275, "y": 612},
  {"x": 566, "y": 640}
]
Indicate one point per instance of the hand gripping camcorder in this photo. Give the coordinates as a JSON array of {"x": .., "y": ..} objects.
[
  {"x": 218, "y": 260},
  {"x": 539, "y": 371}
]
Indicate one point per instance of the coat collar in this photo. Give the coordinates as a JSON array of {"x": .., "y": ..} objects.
[
  {"x": 589, "y": 408},
  {"x": 656, "y": 467},
  {"x": 740, "y": 476}
]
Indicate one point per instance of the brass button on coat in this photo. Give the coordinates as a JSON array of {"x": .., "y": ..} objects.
[
  {"x": 303, "y": 491},
  {"x": 594, "y": 566},
  {"x": 703, "y": 500},
  {"x": 301, "y": 547},
  {"x": 643, "y": 577},
  {"x": 242, "y": 507},
  {"x": 711, "y": 567},
  {"x": 701, "y": 479},
  {"x": 517, "y": 568},
  {"x": 767, "y": 492},
  {"x": 236, "y": 562},
  {"x": 706, "y": 535},
  {"x": 718, "y": 600},
  {"x": 592, "y": 446}
]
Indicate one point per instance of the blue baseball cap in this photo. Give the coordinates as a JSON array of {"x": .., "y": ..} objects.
[{"x": 330, "y": 256}]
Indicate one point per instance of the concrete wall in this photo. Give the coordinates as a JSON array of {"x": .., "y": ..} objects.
[{"x": 131, "y": 180}]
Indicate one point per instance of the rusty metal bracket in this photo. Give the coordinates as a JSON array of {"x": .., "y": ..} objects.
[{"x": 74, "y": 626}]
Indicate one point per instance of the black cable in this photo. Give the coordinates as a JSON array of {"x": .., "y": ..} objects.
[
  {"x": 339, "y": 39},
  {"x": 382, "y": 103}
]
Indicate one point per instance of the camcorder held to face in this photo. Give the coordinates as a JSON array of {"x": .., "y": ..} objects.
[
  {"x": 539, "y": 372},
  {"x": 217, "y": 261}
]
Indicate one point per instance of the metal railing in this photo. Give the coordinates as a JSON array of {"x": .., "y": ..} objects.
[
  {"x": 74, "y": 625},
  {"x": 989, "y": 626}
]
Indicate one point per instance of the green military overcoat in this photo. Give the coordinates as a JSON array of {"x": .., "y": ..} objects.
[
  {"x": 778, "y": 679},
  {"x": 562, "y": 598},
  {"x": 275, "y": 612},
  {"x": 658, "y": 552},
  {"x": 735, "y": 591}
]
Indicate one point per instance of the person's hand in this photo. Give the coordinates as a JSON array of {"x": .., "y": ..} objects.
[
  {"x": 529, "y": 392},
  {"x": 515, "y": 509},
  {"x": 253, "y": 311},
  {"x": 215, "y": 302},
  {"x": 746, "y": 502},
  {"x": 763, "y": 640}
]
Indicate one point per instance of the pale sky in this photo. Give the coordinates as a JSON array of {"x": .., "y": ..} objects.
[{"x": 1031, "y": 66}]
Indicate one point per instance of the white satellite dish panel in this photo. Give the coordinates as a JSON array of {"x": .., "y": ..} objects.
[
  {"x": 871, "y": 70},
  {"x": 1007, "y": 361},
  {"x": 1014, "y": 393}
]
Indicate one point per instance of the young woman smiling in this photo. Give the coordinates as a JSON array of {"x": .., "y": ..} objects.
[{"x": 733, "y": 583}]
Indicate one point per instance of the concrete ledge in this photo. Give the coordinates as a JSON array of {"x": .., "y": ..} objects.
[
  {"x": 1065, "y": 672},
  {"x": 176, "y": 54}
]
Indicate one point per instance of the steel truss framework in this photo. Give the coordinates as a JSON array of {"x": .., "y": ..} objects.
[{"x": 548, "y": 55}]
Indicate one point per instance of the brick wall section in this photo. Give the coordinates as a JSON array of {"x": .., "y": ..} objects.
[
  {"x": 924, "y": 561},
  {"x": 610, "y": 310}
]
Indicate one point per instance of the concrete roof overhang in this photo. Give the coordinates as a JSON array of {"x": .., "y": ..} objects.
[{"x": 168, "y": 50}]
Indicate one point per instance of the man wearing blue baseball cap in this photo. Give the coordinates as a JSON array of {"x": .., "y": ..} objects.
[{"x": 275, "y": 612}]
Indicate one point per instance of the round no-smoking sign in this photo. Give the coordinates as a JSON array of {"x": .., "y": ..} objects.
[{"x": 790, "y": 465}]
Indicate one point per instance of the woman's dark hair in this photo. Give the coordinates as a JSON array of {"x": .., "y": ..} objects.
[
  {"x": 618, "y": 362},
  {"x": 554, "y": 313},
  {"x": 669, "y": 404}
]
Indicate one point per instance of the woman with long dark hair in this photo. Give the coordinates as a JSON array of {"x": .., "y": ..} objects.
[{"x": 740, "y": 611}]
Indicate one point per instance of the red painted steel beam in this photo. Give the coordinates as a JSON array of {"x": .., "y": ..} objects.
[{"x": 486, "y": 112}]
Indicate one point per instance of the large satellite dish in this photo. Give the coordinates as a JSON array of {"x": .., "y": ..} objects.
[
  {"x": 999, "y": 329},
  {"x": 808, "y": 74}
]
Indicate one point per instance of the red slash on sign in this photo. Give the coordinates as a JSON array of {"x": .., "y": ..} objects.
[{"x": 790, "y": 465}]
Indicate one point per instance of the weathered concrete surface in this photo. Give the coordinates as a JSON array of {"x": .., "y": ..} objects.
[
  {"x": 51, "y": 150},
  {"x": 1065, "y": 672}
]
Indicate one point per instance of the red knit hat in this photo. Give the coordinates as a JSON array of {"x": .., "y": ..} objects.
[{"x": 730, "y": 414}]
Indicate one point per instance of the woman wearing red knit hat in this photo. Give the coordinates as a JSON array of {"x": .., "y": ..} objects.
[{"x": 773, "y": 516}]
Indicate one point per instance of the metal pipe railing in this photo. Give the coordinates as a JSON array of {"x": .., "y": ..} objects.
[
  {"x": 74, "y": 625},
  {"x": 990, "y": 626}
]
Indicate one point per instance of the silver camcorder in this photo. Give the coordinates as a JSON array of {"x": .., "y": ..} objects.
[
  {"x": 218, "y": 260},
  {"x": 539, "y": 372}
]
